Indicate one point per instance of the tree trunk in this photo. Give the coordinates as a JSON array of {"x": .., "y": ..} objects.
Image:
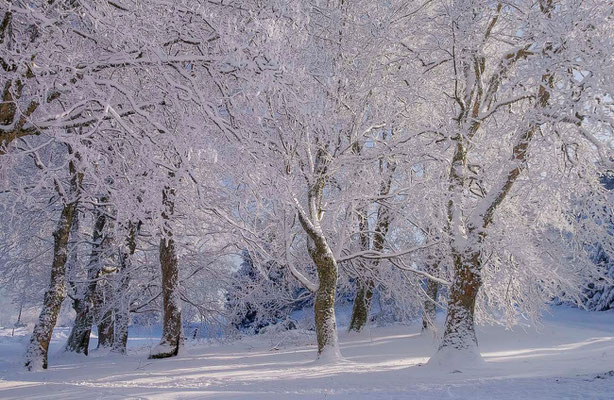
[
  {"x": 364, "y": 294},
  {"x": 429, "y": 312},
  {"x": 172, "y": 335},
  {"x": 430, "y": 306},
  {"x": 105, "y": 320},
  {"x": 36, "y": 354},
  {"x": 121, "y": 314},
  {"x": 460, "y": 327},
  {"x": 122, "y": 308},
  {"x": 79, "y": 338},
  {"x": 325, "y": 321},
  {"x": 362, "y": 305}
]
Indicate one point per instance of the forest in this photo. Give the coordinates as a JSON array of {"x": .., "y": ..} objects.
[{"x": 225, "y": 172}]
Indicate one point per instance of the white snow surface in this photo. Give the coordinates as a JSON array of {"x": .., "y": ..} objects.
[{"x": 571, "y": 356}]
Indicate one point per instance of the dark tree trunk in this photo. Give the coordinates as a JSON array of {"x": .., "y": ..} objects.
[
  {"x": 172, "y": 335},
  {"x": 104, "y": 313},
  {"x": 38, "y": 348},
  {"x": 121, "y": 314},
  {"x": 430, "y": 306},
  {"x": 362, "y": 305},
  {"x": 460, "y": 326},
  {"x": 366, "y": 285},
  {"x": 122, "y": 308},
  {"x": 36, "y": 354},
  {"x": 325, "y": 321},
  {"x": 429, "y": 313},
  {"x": 79, "y": 338}
]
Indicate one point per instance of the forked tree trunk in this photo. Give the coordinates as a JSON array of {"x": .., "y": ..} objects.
[
  {"x": 79, "y": 338},
  {"x": 172, "y": 335},
  {"x": 36, "y": 354}
]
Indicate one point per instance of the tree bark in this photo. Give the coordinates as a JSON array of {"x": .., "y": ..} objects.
[
  {"x": 362, "y": 305},
  {"x": 364, "y": 294},
  {"x": 172, "y": 335},
  {"x": 121, "y": 314},
  {"x": 429, "y": 312},
  {"x": 430, "y": 306},
  {"x": 460, "y": 325},
  {"x": 79, "y": 338},
  {"x": 38, "y": 348},
  {"x": 36, "y": 354},
  {"x": 105, "y": 316},
  {"x": 325, "y": 321}
]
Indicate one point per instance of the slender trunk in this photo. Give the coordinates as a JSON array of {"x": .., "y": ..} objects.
[
  {"x": 105, "y": 316},
  {"x": 38, "y": 348},
  {"x": 121, "y": 313},
  {"x": 36, "y": 354},
  {"x": 362, "y": 305},
  {"x": 430, "y": 306},
  {"x": 429, "y": 312},
  {"x": 172, "y": 335},
  {"x": 364, "y": 294},
  {"x": 122, "y": 308},
  {"x": 79, "y": 338}
]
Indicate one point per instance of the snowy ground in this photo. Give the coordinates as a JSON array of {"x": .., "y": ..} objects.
[{"x": 571, "y": 357}]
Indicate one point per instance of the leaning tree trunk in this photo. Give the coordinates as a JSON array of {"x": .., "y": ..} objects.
[
  {"x": 38, "y": 348},
  {"x": 79, "y": 338},
  {"x": 36, "y": 354},
  {"x": 172, "y": 335},
  {"x": 325, "y": 321}
]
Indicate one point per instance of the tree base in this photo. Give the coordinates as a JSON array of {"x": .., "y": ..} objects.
[
  {"x": 164, "y": 350},
  {"x": 454, "y": 360}
]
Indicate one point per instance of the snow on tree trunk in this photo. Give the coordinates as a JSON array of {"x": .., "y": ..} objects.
[
  {"x": 172, "y": 335},
  {"x": 121, "y": 314},
  {"x": 36, "y": 353},
  {"x": 459, "y": 345},
  {"x": 122, "y": 308},
  {"x": 38, "y": 348},
  {"x": 79, "y": 338},
  {"x": 105, "y": 321}
]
